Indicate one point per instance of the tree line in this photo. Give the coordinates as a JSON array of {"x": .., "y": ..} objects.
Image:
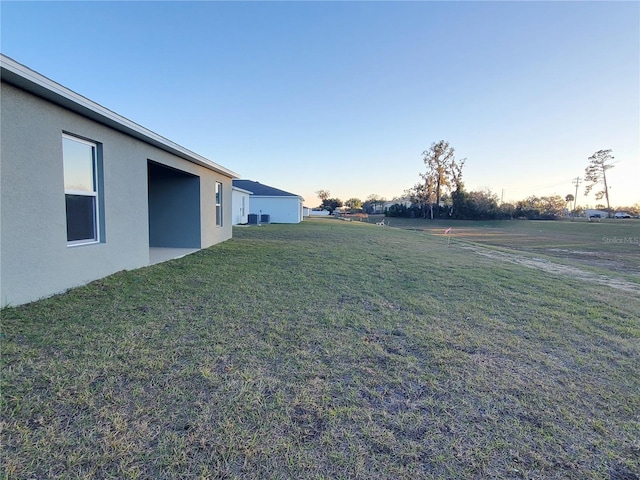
[
  {"x": 441, "y": 193},
  {"x": 373, "y": 203}
]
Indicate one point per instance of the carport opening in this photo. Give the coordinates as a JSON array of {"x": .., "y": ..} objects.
[{"x": 174, "y": 207}]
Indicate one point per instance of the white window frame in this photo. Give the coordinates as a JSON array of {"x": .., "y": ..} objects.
[
  {"x": 94, "y": 194},
  {"x": 218, "y": 201}
]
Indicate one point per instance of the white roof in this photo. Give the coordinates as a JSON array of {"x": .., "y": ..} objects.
[{"x": 23, "y": 77}]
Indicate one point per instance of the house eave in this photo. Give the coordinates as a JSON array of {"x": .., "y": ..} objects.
[
  {"x": 278, "y": 196},
  {"x": 242, "y": 190},
  {"x": 30, "y": 81}
]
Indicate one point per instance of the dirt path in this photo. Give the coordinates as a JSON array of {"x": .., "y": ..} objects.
[{"x": 556, "y": 268}]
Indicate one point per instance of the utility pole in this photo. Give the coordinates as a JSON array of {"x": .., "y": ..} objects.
[{"x": 577, "y": 183}]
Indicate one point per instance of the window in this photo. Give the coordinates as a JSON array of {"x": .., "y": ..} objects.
[
  {"x": 218, "y": 204},
  {"x": 81, "y": 190}
]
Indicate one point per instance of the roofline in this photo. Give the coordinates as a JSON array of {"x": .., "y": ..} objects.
[
  {"x": 283, "y": 193},
  {"x": 241, "y": 190},
  {"x": 31, "y": 81},
  {"x": 279, "y": 196}
]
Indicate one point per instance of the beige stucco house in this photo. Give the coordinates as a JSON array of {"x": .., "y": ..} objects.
[{"x": 85, "y": 192}]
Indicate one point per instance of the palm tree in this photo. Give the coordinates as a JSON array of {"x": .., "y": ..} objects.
[{"x": 569, "y": 198}]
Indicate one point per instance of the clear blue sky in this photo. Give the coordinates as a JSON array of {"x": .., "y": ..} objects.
[{"x": 345, "y": 96}]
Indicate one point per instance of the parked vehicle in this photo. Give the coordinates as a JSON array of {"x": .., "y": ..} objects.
[{"x": 622, "y": 215}]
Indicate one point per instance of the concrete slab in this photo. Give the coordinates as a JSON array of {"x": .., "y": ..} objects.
[{"x": 163, "y": 254}]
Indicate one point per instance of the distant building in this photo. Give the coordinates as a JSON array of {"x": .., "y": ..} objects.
[
  {"x": 240, "y": 199},
  {"x": 591, "y": 213},
  {"x": 280, "y": 206},
  {"x": 405, "y": 202}
]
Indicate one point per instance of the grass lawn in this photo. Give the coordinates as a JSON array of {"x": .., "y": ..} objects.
[
  {"x": 330, "y": 350},
  {"x": 609, "y": 244}
]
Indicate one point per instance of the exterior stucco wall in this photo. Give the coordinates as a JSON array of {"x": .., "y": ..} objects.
[
  {"x": 280, "y": 209},
  {"x": 36, "y": 261},
  {"x": 240, "y": 214}
]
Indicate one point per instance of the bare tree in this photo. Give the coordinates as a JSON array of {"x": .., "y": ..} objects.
[
  {"x": 456, "y": 174},
  {"x": 596, "y": 173},
  {"x": 426, "y": 192},
  {"x": 443, "y": 172},
  {"x": 373, "y": 203},
  {"x": 323, "y": 194}
]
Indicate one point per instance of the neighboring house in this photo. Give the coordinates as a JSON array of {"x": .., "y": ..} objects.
[
  {"x": 314, "y": 212},
  {"x": 406, "y": 202},
  {"x": 86, "y": 192},
  {"x": 319, "y": 213},
  {"x": 240, "y": 205},
  {"x": 281, "y": 206},
  {"x": 591, "y": 213}
]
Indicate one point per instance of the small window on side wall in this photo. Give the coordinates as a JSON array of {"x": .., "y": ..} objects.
[
  {"x": 218, "y": 204},
  {"x": 80, "y": 160}
]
